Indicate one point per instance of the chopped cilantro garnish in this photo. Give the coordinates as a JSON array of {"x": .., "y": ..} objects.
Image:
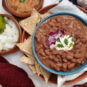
[
  {"x": 66, "y": 41},
  {"x": 70, "y": 45},
  {"x": 70, "y": 35},
  {"x": 21, "y": 0},
  {"x": 58, "y": 40},
  {"x": 60, "y": 45},
  {"x": 72, "y": 40}
]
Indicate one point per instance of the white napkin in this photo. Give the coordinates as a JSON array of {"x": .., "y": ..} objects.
[
  {"x": 49, "y": 2},
  {"x": 67, "y": 6}
]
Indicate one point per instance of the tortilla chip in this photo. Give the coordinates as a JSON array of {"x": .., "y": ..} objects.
[
  {"x": 36, "y": 67},
  {"x": 43, "y": 72},
  {"x": 44, "y": 15},
  {"x": 35, "y": 12},
  {"x": 29, "y": 24},
  {"x": 30, "y": 62},
  {"x": 26, "y": 47},
  {"x": 27, "y": 60},
  {"x": 33, "y": 69}
]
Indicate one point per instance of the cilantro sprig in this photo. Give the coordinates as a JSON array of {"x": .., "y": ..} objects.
[
  {"x": 66, "y": 41},
  {"x": 60, "y": 45},
  {"x": 70, "y": 45},
  {"x": 70, "y": 35},
  {"x": 72, "y": 40},
  {"x": 58, "y": 40}
]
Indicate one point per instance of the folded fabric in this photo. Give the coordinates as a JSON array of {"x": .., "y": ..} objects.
[
  {"x": 13, "y": 76},
  {"x": 2, "y": 60},
  {"x": 84, "y": 85}
]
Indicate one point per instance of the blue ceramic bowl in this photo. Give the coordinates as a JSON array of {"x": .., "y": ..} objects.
[{"x": 35, "y": 54}]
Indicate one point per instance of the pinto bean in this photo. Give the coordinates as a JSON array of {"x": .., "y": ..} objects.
[
  {"x": 64, "y": 70},
  {"x": 41, "y": 52},
  {"x": 77, "y": 41},
  {"x": 64, "y": 55},
  {"x": 38, "y": 48},
  {"x": 55, "y": 28},
  {"x": 51, "y": 24},
  {"x": 69, "y": 57},
  {"x": 64, "y": 65},
  {"x": 78, "y": 61},
  {"x": 59, "y": 64},
  {"x": 82, "y": 62},
  {"x": 73, "y": 60},
  {"x": 54, "y": 51},
  {"x": 47, "y": 52},
  {"x": 70, "y": 66},
  {"x": 78, "y": 45},
  {"x": 83, "y": 40},
  {"x": 54, "y": 20},
  {"x": 45, "y": 45},
  {"x": 77, "y": 55},
  {"x": 60, "y": 52},
  {"x": 58, "y": 69},
  {"x": 65, "y": 60}
]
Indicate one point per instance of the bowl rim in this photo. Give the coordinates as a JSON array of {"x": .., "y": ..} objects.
[
  {"x": 35, "y": 54},
  {"x": 15, "y": 48}
]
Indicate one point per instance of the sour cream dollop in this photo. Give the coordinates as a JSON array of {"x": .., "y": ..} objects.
[
  {"x": 60, "y": 41},
  {"x": 9, "y": 37},
  {"x": 63, "y": 43}
]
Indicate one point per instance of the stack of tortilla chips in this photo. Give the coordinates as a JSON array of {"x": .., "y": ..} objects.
[{"x": 29, "y": 25}]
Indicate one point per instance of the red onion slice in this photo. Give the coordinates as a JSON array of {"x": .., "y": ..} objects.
[
  {"x": 51, "y": 40},
  {"x": 48, "y": 43},
  {"x": 62, "y": 33},
  {"x": 52, "y": 36}
]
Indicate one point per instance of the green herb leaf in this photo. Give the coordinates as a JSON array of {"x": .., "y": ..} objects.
[
  {"x": 72, "y": 40},
  {"x": 60, "y": 45},
  {"x": 21, "y": 0},
  {"x": 66, "y": 41},
  {"x": 70, "y": 45},
  {"x": 70, "y": 35},
  {"x": 58, "y": 40}
]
